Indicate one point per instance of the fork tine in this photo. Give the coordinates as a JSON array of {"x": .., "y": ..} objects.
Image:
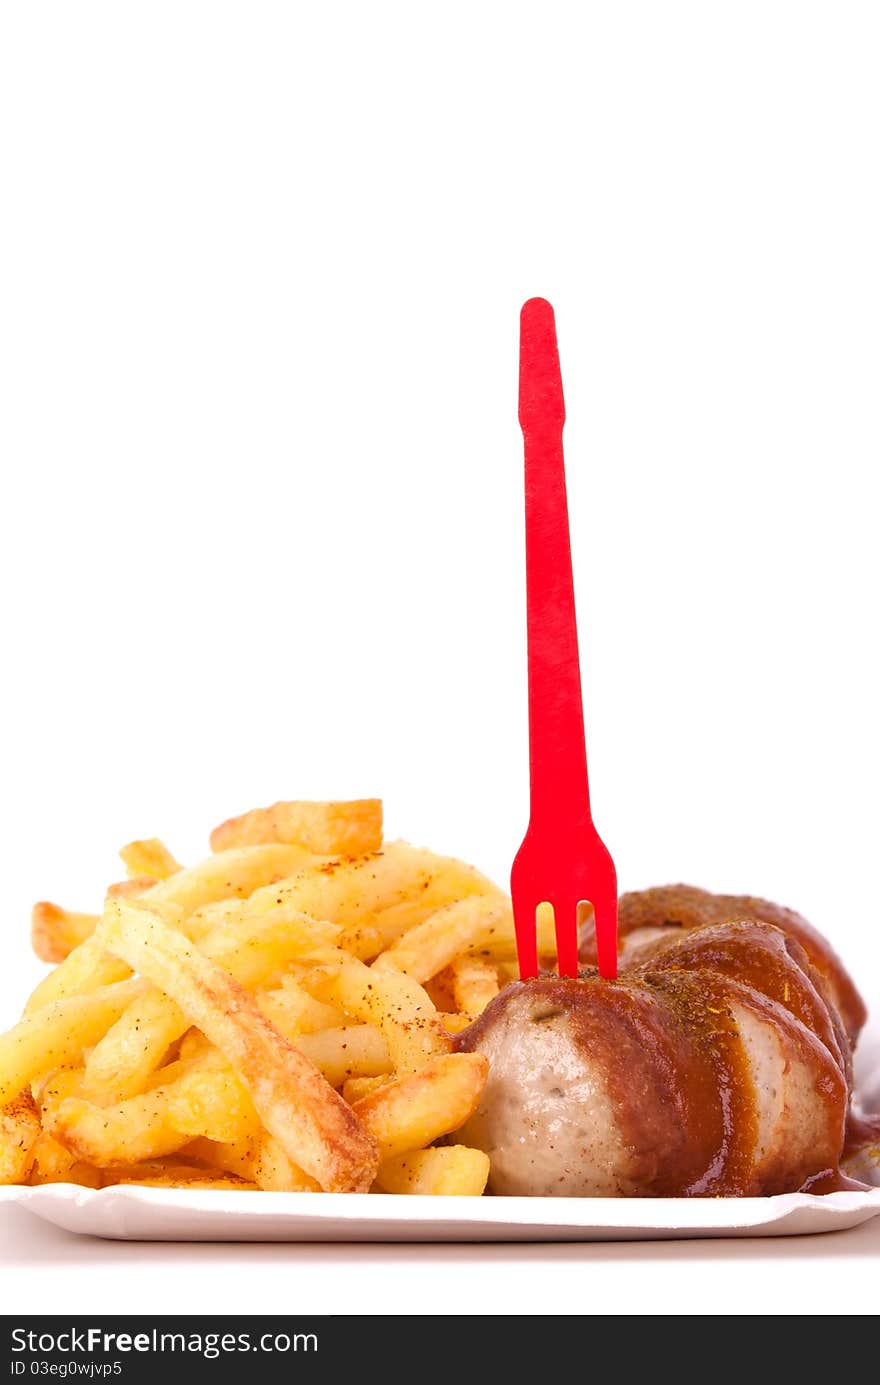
[
  {"x": 604, "y": 901},
  {"x": 525, "y": 927},
  {"x": 565, "y": 921}
]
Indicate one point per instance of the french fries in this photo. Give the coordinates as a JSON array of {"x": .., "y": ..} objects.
[
  {"x": 400, "y": 1008},
  {"x": 229, "y": 875},
  {"x": 232, "y": 875},
  {"x": 59, "y": 1033},
  {"x": 134, "y": 1047},
  {"x": 83, "y": 970},
  {"x": 296, "y": 1104},
  {"x": 353, "y": 892},
  {"x": 278, "y": 1017}
]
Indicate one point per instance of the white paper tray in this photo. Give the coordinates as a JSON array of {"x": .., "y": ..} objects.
[{"x": 174, "y": 1214}]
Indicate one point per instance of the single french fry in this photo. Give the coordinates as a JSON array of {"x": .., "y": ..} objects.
[
  {"x": 460, "y": 927},
  {"x": 455, "y": 1024},
  {"x": 328, "y": 829},
  {"x": 172, "y": 1168},
  {"x": 124, "y": 1058},
  {"x": 132, "y": 888},
  {"x": 86, "y": 968},
  {"x": 293, "y": 1011},
  {"x": 356, "y": 1088},
  {"x": 210, "y": 1102},
  {"x": 237, "y": 1157},
  {"x": 397, "y": 1005},
  {"x": 137, "y": 1129},
  {"x": 135, "y": 1046},
  {"x": 55, "y": 932},
  {"x": 19, "y": 1133},
  {"x": 474, "y": 984},
  {"x": 352, "y": 1050},
  {"x": 414, "y": 1111},
  {"x": 177, "y": 1176},
  {"x": 453, "y": 1170},
  {"x": 149, "y": 857},
  {"x": 58, "y": 1034},
  {"x": 311, "y": 1122},
  {"x": 55, "y": 1164},
  {"x": 501, "y": 946},
  {"x": 258, "y": 1159},
  {"x": 275, "y": 1172}
]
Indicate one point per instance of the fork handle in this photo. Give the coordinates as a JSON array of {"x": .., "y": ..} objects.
[{"x": 560, "y": 795}]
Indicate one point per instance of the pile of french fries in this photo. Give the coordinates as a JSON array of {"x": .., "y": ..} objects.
[{"x": 280, "y": 1016}]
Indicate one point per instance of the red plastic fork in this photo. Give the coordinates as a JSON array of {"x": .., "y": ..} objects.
[{"x": 562, "y": 861}]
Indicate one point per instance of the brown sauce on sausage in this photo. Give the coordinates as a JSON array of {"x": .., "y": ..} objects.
[{"x": 686, "y": 907}]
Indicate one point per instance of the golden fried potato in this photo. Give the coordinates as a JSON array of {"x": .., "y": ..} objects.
[
  {"x": 54, "y": 1163},
  {"x": 293, "y": 1011},
  {"x": 228, "y": 875},
  {"x": 328, "y": 829},
  {"x": 149, "y": 857},
  {"x": 351, "y": 1050},
  {"x": 137, "y": 1129},
  {"x": 86, "y": 968},
  {"x": 19, "y": 1132},
  {"x": 59, "y": 1033},
  {"x": 311, "y": 1122},
  {"x": 353, "y": 893},
  {"x": 55, "y": 932},
  {"x": 414, "y": 1111},
  {"x": 215, "y": 1065},
  {"x": 136, "y": 1045},
  {"x": 131, "y": 888},
  {"x": 398, "y": 1006},
  {"x": 356, "y": 1088},
  {"x": 461, "y": 927},
  {"x": 453, "y": 1170},
  {"x": 474, "y": 984},
  {"x": 259, "y": 1160}
]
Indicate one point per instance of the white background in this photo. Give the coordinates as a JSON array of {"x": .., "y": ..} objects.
[{"x": 260, "y": 272}]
